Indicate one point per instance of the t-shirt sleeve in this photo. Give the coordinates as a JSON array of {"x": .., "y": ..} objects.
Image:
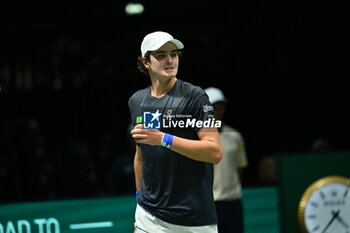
[
  {"x": 203, "y": 110},
  {"x": 134, "y": 118},
  {"x": 134, "y": 109}
]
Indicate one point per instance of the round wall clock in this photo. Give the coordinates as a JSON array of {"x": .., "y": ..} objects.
[{"x": 325, "y": 206}]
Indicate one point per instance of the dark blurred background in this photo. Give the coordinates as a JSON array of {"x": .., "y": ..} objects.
[{"x": 68, "y": 68}]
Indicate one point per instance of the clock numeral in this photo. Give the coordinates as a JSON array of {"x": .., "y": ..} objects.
[
  {"x": 323, "y": 196},
  {"x": 312, "y": 216},
  {"x": 316, "y": 228},
  {"x": 346, "y": 193},
  {"x": 314, "y": 204}
]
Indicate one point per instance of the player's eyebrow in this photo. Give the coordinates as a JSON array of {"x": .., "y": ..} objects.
[{"x": 163, "y": 51}]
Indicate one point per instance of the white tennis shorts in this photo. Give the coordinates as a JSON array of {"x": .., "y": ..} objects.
[{"x": 147, "y": 223}]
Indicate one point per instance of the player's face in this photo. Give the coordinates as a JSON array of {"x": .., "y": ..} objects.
[{"x": 164, "y": 62}]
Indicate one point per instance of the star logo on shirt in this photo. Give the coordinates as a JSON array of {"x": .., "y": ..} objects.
[{"x": 156, "y": 115}]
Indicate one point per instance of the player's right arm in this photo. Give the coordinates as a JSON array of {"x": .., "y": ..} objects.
[{"x": 138, "y": 167}]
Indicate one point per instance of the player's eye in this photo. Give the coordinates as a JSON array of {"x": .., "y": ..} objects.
[
  {"x": 173, "y": 54},
  {"x": 164, "y": 55},
  {"x": 160, "y": 56}
]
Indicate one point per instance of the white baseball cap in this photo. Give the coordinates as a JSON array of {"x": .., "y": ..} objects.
[
  {"x": 215, "y": 95},
  {"x": 155, "y": 40}
]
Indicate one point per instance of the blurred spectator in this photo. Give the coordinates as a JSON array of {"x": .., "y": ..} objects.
[{"x": 321, "y": 145}]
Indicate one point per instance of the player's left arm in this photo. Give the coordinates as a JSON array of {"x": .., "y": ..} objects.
[{"x": 206, "y": 149}]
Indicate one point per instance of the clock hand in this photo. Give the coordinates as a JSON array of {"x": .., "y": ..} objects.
[
  {"x": 335, "y": 215},
  {"x": 341, "y": 220}
]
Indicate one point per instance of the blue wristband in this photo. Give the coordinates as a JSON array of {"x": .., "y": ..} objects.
[
  {"x": 137, "y": 194},
  {"x": 167, "y": 140}
]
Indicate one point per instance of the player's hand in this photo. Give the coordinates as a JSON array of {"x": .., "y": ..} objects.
[{"x": 147, "y": 136}]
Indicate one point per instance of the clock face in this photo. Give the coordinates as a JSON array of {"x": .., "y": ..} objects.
[{"x": 325, "y": 206}]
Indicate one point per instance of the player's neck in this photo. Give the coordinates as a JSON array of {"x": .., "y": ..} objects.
[{"x": 161, "y": 87}]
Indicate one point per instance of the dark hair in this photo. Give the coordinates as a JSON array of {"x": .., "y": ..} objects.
[
  {"x": 141, "y": 60},
  {"x": 140, "y": 64}
]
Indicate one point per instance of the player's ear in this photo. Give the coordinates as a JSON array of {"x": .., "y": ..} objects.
[{"x": 145, "y": 62}]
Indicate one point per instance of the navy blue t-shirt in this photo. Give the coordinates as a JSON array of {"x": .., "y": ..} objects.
[{"x": 175, "y": 188}]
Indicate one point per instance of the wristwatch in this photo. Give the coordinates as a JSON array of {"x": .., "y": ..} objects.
[{"x": 325, "y": 206}]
